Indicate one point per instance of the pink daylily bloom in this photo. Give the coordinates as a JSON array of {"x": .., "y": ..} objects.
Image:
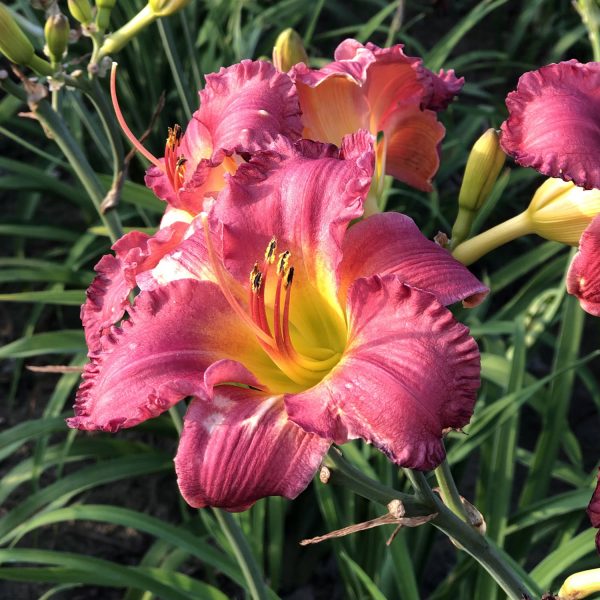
[
  {"x": 583, "y": 277},
  {"x": 286, "y": 336},
  {"x": 593, "y": 512},
  {"x": 553, "y": 122},
  {"x": 242, "y": 109},
  {"x": 380, "y": 90}
]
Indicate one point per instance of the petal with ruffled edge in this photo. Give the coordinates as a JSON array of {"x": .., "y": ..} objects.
[
  {"x": 239, "y": 447},
  {"x": 553, "y": 122},
  {"x": 593, "y": 511},
  {"x": 158, "y": 356},
  {"x": 583, "y": 278},
  {"x": 304, "y": 195},
  {"x": 409, "y": 371},
  {"x": 391, "y": 243},
  {"x": 107, "y": 297}
]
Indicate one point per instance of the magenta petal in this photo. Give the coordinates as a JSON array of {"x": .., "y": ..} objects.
[
  {"x": 107, "y": 297},
  {"x": 247, "y": 105},
  {"x": 553, "y": 123},
  {"x": 583, "y": 278},
  {"x": 444, "y": 87},
  {"x": 392, "y": 243},
  {"x": 159, "y": 355},
  {"x": 593, "y": 511},
  {"x": 409, "y": 372},
  {"x": 240, "y": 447}
]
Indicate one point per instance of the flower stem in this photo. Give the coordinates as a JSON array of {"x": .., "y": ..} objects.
[
  {"x": 471, "y": 250},
  {"x": 449, "y": 490},
  {"x": 114, "y": 42},
  {"x": 426, "y": 502},
  {"x": 243, "y": 554}
]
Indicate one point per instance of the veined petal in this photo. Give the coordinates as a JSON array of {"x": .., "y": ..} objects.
[
  {"x": 158, "y": 356},
  {"x": 593, "y": 511},
  {"x": 391, "y": 243},
  {"x": 414, "y": 136},
  {"x": 240, "y": 447},
  {"x": 553, "y": 122},
  {"x": 247, "y": 105},
  {"x": 409, "y": 371},
  {"x": 583, "y": 278},
  {"x": 107, "y": 297}
]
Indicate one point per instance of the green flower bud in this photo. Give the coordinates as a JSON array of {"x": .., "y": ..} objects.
[
  {"x": 289, "y": 50},
  {"x": 81, "y": 10},
  {"x": 164, "y": 8},
  {"x": 15, "y": 45},
  {"x": 103, "y": 15},
  {"x": 56, "y": 31}
]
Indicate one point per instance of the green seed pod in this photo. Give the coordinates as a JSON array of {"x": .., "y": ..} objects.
[
  {"x": 81, "y": 10},
  {"x": 56, "y": 31}
]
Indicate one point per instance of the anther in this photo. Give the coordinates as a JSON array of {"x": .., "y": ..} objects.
[
  {"x": 289, "y": 276},
  {"x": 174, "y": 137},
  {"x": 256, "y": 282},
  {"x": 282, "y": 265},
  {"x": 270, "y": 251},
  {"x": 253, "y": 273}
]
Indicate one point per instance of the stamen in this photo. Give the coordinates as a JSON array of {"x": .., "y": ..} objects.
[
  {"x": 270, "y": 251},
  {"x": 282, "y": 264},
  {"x": 135, "y": 142}
]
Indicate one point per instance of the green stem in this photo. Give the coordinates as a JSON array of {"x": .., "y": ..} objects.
[
  {"x": 243, "y": 554},
  {"x": 590, "y": 15},
  {"x": 471, "y": 250},
  {"x": 427, "y": 502},
  {"x": 449, "y": 490},
  {"x": 114, "y": 42}
]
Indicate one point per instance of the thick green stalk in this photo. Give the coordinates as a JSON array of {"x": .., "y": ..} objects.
[
  {"x": 449, "y": 490},
  {"x": 243, "y": 554},
  {"x": 427, "y": 502}
]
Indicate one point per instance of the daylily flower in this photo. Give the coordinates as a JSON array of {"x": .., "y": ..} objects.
[
  {"x": 291, "y": 331},
  {"x": 380, "y": 90},
  {"x": 593, "y": 511}
]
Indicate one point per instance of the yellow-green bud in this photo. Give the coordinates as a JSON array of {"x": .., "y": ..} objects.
[
  {"x": 15, "y": 45},
  {"x": 164, "y": 8},
  {"x": 560, "y": 210},
  {"x": 580, "y": 585},
  {"x": 81, "y": 10},
  {"x": 56, "y": 31},
  {"x": 103, "y": 15},
  {"x": 288, "y": 50},
  {"x": 483, "y": 167}
]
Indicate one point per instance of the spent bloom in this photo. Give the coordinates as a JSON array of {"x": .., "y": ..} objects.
[
  {"x": 289, "y": 329},
  {"x": 380, "y": 90}
]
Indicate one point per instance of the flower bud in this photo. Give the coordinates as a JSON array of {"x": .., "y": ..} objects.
[
  {"x": 103, "y": 15},
  {"x": 288, "y": 50},
  {"x": 560, "y": 210},
  {"x": 15, "y": 45},
  {"x": 56, "y": 31},
  {"x": 81, "y": 10},
  {"x": 164, "y": 8},
  {"x": 483, "y": 167},
  {"x": 580, "y": 585}
]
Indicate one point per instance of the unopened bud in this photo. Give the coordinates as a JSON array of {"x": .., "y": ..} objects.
[
  {"x": 15, "y": 45},
  {"x": 288, "y": 50},
  {"x": 103, "y": 15},
  {"x": 483, "y": 167},
  {"x": 56, "y": 31},
  {"x": 164, "y": 8},
  {"x": 81, "y": 10},
  {"x": 560, "y": 210},
  {"x": 580, "y": 585}
]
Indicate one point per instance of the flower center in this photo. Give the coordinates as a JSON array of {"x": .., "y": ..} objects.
[{"x": 268, "y": 315}]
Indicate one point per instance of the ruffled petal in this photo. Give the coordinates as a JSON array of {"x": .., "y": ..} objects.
[
  {"x": 593, "y": 511},
  {"x": 583, "y": 278},
  {"x": 553, "y": 122},
  {"x": 107, "y": 297},
  {"x": 240, "y": 447},
  {"x": 409, "y": 372},
  {"x": 413, "y": 139},
  {"x": 247, "y": 105},
  {"x": 444, "y": 87},
  {"x": 158, "y": 356},
  {"x": 391, "y": 243}
]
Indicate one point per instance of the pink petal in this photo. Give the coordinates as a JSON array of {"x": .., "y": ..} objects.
[
  {"x": 583, "y": 278},
  {"x": 593, "y": 511},
  {"x": 553, "y": 122},
  {"x": 247, "y": 105},
  {"x": 444, "y": 87},
  {"x": 240, "y": 447},
  {"x": 392, "y": 243},
  {"x": 158, "y": 356},
  {"x": 409, "y": 372},
  {"x": 107, "y": 297},
  {"x": 304, "y": 195}
]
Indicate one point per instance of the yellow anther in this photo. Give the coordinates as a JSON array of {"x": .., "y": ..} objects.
[
  {"x": 289, "y": 276},
  {"x": 256, "y": 282},
  {"x": 282, "y": 264},
  {"x": 270, "y": 251},
  {"x": 253, "y": 273},
  {"x": 174, "y": 136}
]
